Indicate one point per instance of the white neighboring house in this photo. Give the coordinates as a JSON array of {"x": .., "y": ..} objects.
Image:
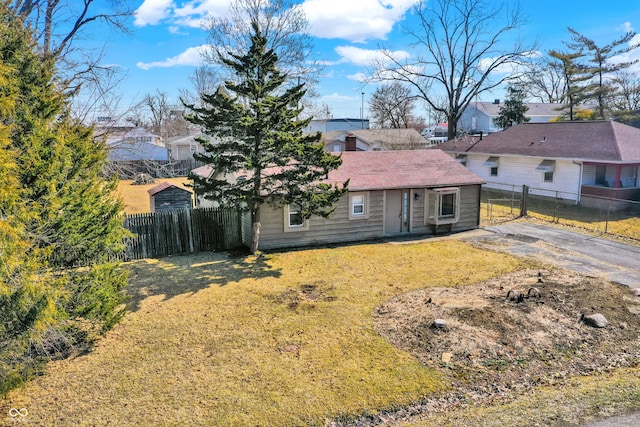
[
  {"x": 183, "y": 147},
  {"x": 480, "y": 116},
  {"x": 373, "y": 140},
  {"x": 580, "y": 161}
]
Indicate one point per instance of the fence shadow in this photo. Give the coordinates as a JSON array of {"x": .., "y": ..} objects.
[{"x": 178, "y": 275}]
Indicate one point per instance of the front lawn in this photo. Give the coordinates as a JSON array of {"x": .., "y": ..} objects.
[{"x": 287, "y": 339}]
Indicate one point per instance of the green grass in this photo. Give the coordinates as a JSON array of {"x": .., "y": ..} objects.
[{"x": 287, "y": 339}]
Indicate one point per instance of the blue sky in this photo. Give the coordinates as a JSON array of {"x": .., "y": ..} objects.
[{"x": 162, "y": 50}]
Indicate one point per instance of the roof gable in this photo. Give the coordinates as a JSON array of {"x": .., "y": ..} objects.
[
  {"x": 603, "y": 141},
  {"x": 165, "y": 185}
]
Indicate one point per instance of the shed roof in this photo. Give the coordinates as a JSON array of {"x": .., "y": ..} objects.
[
  {"x": 600, "y": 141},
  {"x": 165, "y": 185}
]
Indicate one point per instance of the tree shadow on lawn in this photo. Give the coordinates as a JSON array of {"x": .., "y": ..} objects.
[{"x": 176, "y": 275}]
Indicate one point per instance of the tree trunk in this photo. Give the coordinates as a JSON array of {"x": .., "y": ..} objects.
[
  {"x": 255, "y": 237},
  {"x": 255, "y": 230}
]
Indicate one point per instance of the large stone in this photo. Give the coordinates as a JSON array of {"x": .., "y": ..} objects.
[{"x": 596, "y": 320}]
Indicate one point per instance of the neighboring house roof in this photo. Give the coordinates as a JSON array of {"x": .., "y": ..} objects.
[
  {"x": 379, "y": 138},
  {"x": 136, "y": 150},
  {"x": 140, "y": 132},
  {"x": 163, "y": 186},
  {"x": 183, "y": 139},
  {"x": 536, "y": 109},
  {"x": 602, "y": 141},
  {"x": 385, "y": 170}
]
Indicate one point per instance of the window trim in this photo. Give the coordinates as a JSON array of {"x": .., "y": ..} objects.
[
  {"x": 365, "y": 205},
  {"x": 436, "y": 195},
  {"x": 287, "y": 221}
]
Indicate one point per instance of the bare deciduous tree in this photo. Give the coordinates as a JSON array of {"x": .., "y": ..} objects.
[
  {"x": 458, "y": 51},
  {"x": 283, "y": 24},
  {"x": 626, "y": 103},
  {"x": 543, "y": 81},
  {"x": 57, "y": 24},
  {"x": 392, "y": 106}
]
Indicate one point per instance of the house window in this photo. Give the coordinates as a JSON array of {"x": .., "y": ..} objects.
[
  {"x": 547, "y": 167},
  {"x": 443, "y": 206},
  {"x": 358, "y": 205},
  {"x": 492, "y": 163},
  {"x": 293, "y": 220}
]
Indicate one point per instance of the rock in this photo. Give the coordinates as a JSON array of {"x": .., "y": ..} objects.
[
  {"x": 596, "y": 320},
  {"x": 446, "y": 357},
  {"x": 440, "y": 324},
  {"x": 636, "y": 292}
]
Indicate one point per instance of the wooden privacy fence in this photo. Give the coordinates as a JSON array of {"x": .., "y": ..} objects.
[{"x": 182, "y": 231}]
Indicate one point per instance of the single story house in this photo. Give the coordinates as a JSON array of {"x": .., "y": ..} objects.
[
  {"x": 166, "y": 196},
  {"x": 580, "y": 161},
  {"x": 373, "y": 140},
  {"x": 391, "y": 193},
  {"x": 183, "y": 147},
  {"x": 480, "y": 116}
]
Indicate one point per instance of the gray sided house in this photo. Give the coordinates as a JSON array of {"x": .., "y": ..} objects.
[
  {"x": 391, "y": 193},
  {"x": 480, "y": 116},
  {"x": 579, "y": 161},
  {"x": 166, "y": 196}
]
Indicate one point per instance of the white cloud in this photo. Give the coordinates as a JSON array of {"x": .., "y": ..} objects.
[
  {"x": 193, "y": 13},
  {"x": 366, "y": 57},
  {"x": 191, "y": 56},
  {"x": 358, "y": 77},
  {"x": 336, "y": 97},
  {"x": 151, "y": 12},
  {"x": 354, "y": 20}
]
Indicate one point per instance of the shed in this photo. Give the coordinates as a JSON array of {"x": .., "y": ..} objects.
[{"x": 166, "y": 195}]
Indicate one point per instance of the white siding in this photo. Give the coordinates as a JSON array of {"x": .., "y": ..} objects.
[{"x": 514, "y": 172}]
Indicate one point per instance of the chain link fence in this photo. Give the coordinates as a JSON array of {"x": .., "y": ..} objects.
[{"x": 600, "y": 215}]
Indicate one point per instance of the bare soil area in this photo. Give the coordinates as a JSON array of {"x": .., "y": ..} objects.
[{"x": 512, "y": 333}]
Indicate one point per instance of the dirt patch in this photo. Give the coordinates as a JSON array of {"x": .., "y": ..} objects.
[{"x": 514, "y": 332}]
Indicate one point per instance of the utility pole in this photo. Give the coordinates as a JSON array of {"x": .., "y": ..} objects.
[{"x": 362, "y": 112}]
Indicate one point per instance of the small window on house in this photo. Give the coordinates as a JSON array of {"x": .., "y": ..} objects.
[
  {"x": 443, "y": 206},
  {"x": 547, "y": 167},
  {"x": 358, "y": 205},
  {"x": 293, "y": 218},
  {"x": 492, "y": 163}
]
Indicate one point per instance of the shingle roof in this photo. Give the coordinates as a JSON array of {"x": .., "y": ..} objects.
[
  {"x": 602, "y": 141},
  {"x": 378, "y": 170},
  {"x": 385, "y": 170},
  {"x": 163, "y": 186}
]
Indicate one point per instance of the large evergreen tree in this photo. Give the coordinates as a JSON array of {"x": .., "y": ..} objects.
[
  {"x": 257, "y": 149},
  {"x": 59, "y": 222},
  {"x": 601, "y": 68},
  {"x": 576, "y": 81},
  {"x": 513, "y": 110}
]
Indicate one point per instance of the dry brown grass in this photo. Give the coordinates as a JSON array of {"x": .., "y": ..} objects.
[
  {"x": 287, "y": 339},
  {"x": 136, "y": 197}
]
